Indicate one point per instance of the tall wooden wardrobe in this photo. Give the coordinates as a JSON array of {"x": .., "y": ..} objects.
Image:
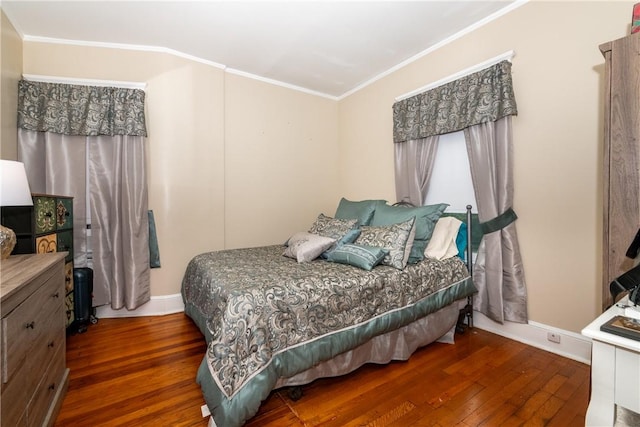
[{"x": 621, "y": 156}]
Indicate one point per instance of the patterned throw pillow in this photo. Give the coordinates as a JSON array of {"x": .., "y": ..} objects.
[
  {"x": 425, "y": 216},
  {"x": 343, "y": 230},
  {"x": 332, "y": 227},
  {"x": 393, "y": 238},
  {"x": 361, "y": 256},
  {"x": 304, "y": 246}
]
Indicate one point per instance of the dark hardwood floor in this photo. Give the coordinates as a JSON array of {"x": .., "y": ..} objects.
[{"x": 141, "y": 372}]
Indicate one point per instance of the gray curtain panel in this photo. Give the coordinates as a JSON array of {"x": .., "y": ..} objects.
[
  {"x": 104, "y": 157},
  {"x": 413, "y": 165},
  {"x": 498, "y": 270},
  {"x": 481, "y": 104}
]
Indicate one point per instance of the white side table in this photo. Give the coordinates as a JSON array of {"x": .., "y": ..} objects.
[{"x": 615, "y": 371}]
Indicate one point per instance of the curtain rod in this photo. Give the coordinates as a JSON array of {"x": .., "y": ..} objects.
[
  {"x": 489, "y": 62},
  {"x": 85, "y": 82}
]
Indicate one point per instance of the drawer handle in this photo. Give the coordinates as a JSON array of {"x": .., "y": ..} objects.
[
  {"x": 30, "y": 325},
  {"x": 52, "y": 386}
]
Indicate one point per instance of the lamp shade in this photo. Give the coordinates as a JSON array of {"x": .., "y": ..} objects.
[{"x": 14, "y": 187}]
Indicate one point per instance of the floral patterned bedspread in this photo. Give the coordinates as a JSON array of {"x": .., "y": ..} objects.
[{"x": 254, "y": 303}]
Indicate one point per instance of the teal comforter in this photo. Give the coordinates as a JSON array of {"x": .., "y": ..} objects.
[{"x": 266, "y": 316}]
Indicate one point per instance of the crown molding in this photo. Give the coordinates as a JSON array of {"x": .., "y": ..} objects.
[
  {"x": 513, "y": 6},
  {"x": 85, "y": 82},
  {"x": 123, "y": 46}
]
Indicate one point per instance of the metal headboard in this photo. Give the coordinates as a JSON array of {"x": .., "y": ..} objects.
[
  {"x": 469, "y": 252},
  {"x": 468, "y": 310}
]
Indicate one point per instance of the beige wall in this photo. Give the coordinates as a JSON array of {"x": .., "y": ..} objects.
[
  {"x": 558, "y": 77},
  {"x": 281, "y": 171},
  {"x": 10, "y": 70},
  {"x": 228, "y": 157}
]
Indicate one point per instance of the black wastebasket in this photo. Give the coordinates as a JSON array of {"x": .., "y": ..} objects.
[{"x": 82, "y": 300}]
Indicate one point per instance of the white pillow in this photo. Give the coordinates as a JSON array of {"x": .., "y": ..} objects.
[
  {"x": 304, "y": 246},
  {"x": 443, "y": 240}
]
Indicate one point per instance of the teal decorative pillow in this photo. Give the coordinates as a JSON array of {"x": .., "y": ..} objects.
[
  {"x": 361, "y": 256},
  {"x": 362, "y": 210},
  {"x": 461, "y": 241},
  {"x": 393, "y": 238},
  {"x": 304, "y": 246},
  {"x": 425, "y": 221}
]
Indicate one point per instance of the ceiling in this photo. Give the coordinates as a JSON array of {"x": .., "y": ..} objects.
[{"x": 330, "y": 48}]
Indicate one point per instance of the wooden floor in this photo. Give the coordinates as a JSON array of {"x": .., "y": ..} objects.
[{"x": 141, "y": 372}]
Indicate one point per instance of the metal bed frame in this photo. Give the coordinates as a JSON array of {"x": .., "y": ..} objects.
[{"x": 467, "y": 311}]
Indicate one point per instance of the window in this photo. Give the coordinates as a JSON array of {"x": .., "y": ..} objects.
[{"x": 451, "y": 176}]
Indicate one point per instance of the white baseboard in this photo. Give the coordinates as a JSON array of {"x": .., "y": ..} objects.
[
  {"x": 572, "y": 345},
  {"x": 157, "y": 306}
]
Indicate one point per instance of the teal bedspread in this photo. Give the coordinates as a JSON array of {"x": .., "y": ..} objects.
[{"x": 266, "y": 316}]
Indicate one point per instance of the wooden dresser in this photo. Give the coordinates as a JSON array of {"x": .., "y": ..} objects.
[
  {"x": 32, "y": 339},
  {"x": 621, "y": 175}
]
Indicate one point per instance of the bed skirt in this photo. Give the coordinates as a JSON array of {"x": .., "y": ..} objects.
[{"x": 382, "y": 349}]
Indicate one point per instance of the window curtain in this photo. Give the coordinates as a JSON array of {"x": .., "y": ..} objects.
[
  {"x": 73, "y": 136},
  {"x": 491, "y": 161},
  {"x": 413, "y": 165},
  {"x": 481, "y": 104}
]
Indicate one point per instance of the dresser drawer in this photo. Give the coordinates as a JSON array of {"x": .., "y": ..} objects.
[
  {"x": 46, "y": 390},
  {"x": 47, "y": 244},
  {"x": 64, "y": 243},
  {"x": 69, "y": 305},
  {"x": 14, "y": 394},
  {"x": 64, "y": 213},
  {"x": 68, "y": 277},
  {"x": 28, "y": 322},
  {"x": 52, "y": 339},
  {"x": 45, "y": 214}
]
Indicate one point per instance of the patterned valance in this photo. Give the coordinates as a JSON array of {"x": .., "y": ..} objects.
[
  {"x": 484, "y": 96},
  {"x": 80, "y": 110}
]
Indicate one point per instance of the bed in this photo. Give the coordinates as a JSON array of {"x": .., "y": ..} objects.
[{"x": 277, "y": 316}]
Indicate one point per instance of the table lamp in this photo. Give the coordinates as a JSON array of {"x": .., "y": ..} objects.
[{"x": 14, "y": 191}]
